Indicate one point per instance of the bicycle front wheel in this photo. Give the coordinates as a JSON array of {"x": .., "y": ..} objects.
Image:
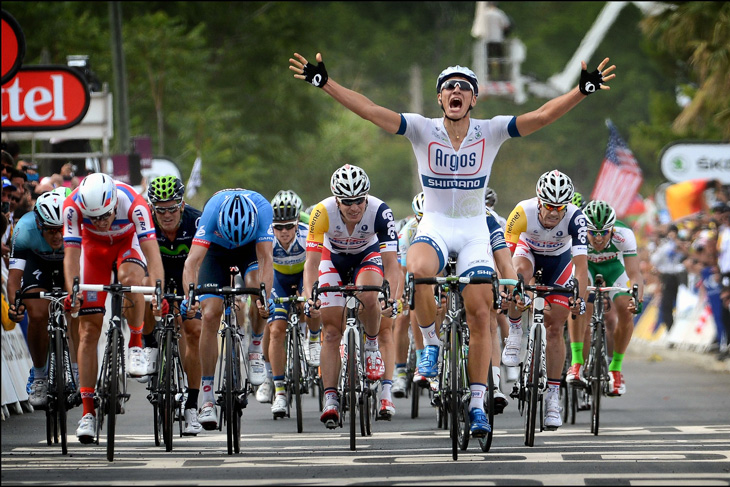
[
  {"x": 229, "y": 399},
  {"x": 60, "y": 389},
  {"x": 296, "y": 377},
  {"x": 168, "y": 392},
  {"x": 486, "y": 442},
  {"x": 112, "y": 389},
  {"x": 352, "y": 381},
  {"x": 531, "y": 391},
  {"x": 598, "y": 374},
  {"x": 454, "y": 392}
]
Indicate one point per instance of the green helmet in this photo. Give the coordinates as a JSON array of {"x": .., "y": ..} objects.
[
  {"x": 577, "y": 199},
  {"x": 599, "y": 215},
  {"x": 62, "y": 191},
  {"x": 165, "y": 188}
]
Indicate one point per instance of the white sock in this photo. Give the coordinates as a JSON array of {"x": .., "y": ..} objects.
[{"x": 477, "y": 396}]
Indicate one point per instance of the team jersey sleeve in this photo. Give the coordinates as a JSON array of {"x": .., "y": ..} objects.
[
  {"x": 264, "y": 232},
  {"x": 71, "y": 222},
  {"x": 21, "y": 250},
  {"x": 628, "y": 245},
  {"x": 578, "y": 230},
  {"x": 208, "y": 223},
  {"x": 496, "y": 234},
  {"x": 516, "y": 224},
  {"x": 318, "y": 226},
  {"x": 140, "y": 215},
  {"x": 385, "y": 228}
]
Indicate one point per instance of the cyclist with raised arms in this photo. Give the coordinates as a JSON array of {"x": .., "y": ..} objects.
[
  {"x": 234, "y": 231},
  {"x": 176, "y": 223},
  {"x": 351, "y": 233},
  {"x": 36, "y": 254},
  {"x": 290, "y": 253},
  {"x": 455, "y": 156},
  {"x": 548, "y": 233},
  {"x": 612, "y": 253},
  {"x": 106, "y": 223}
]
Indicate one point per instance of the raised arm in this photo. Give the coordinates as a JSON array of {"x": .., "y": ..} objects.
[
  {"x": 359, "y": 104},
  {"x": 533, "y": 121}
]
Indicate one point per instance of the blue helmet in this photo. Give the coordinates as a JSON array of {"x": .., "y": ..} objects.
[
  {"x": 458, "y": 71},
  {"x": 237, "y": 219}
]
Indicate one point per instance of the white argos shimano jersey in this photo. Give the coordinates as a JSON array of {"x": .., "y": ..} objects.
[{"x": 454, "y": 181}]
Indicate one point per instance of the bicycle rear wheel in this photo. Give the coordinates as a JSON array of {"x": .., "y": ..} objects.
[
  {"x": 597, "y": 379},
  {"x": 51, "y": 417},
  {"x": 486, "y": 442},
  {"x": 352, "y": 381},
  {"x": 463, "y": 395},
  {"x": 531, "y": 391},
  {"x": 229, "y": 386}
]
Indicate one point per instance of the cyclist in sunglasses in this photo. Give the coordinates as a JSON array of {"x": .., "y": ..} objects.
[
  {"x": 548, "y": 233},
  {"x": 612, "y": 252},
  {"x": 455, "y": 156},
  {"x": 352, "y": 233},
  {"x": 106, "y": 223},
  {"x": 290, "y": 253},
  {"x": 36, "y": 254},
  {"x": 176, "y": 223}
]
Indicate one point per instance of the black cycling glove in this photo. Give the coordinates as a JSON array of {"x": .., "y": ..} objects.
[
  {"x": 317, "y": 75},
  {"x": 590, "y": 82}
]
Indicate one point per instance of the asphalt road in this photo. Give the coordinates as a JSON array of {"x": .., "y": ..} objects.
[{"x": 672, "y": 427}]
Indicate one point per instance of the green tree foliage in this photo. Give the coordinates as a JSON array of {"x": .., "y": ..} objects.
[{"x": 212, "y": 78}]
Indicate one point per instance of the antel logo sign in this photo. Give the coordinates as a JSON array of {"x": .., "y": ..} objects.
[
  {"x": 13, "y": 47},
  {"x": 43, "y": 98}
]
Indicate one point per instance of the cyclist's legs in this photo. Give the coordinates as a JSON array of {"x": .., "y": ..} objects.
[
  {"x": 189, "y": 348},
  {"x": 400, "y": 339},
  {"x": 277, "y": 351},
  {"x": 370, "y": 314},
  {"x": 386, "y": 344},
  {"x": 37, "y": 330},
  {"x": 555, "y": 348},
  {"x": 423, "y": 261},
  {"x": 258, "y": 324},
  {"x": 89, "y": 332},
  {"x": 212, "y": 309},
  {"x": 331, "y": 338},
  {"x": 477, "y": 304},
  {"x": 625, "y": 326}
]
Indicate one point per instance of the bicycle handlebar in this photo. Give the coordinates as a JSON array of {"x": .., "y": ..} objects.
[
  {"x": 231, "y": 291},
  {"x": 350, "y": 289}
]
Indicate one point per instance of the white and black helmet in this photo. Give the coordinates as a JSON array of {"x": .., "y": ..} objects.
[
  {"x": 417, "y": 204},
  {"x": 555, "y": 188},
  {"x": 349, "y": 182},
  {"x": 48, "y": 209},
  {"x": 97, "y": 195},
  {"x": 490, "y": 197},
  {"x": 456, "y": 72},
  {"x": 286, "y": 205}
]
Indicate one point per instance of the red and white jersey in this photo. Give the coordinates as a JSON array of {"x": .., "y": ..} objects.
[{"x": 132, "y": 216}]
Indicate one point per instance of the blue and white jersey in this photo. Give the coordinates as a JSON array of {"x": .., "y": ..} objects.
[
  {"x": 291, "y": 260},
  {"x": 496, "y": 234},
  {"x": 454, "y": 181},
  {"x": 208, "y": 232},
  {"x": 28, "y": 241}
]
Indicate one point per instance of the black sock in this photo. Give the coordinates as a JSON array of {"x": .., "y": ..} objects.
[
  {"x": 150, "y": 341},
  {"x": 192, "y": 402}
]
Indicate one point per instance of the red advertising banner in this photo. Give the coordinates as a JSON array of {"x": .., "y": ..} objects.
[
  {"x": 43, "y": 98},
  {"x": 13, "y": 47}
]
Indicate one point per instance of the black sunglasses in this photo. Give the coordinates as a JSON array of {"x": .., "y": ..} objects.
[
  {"x": 53, "y": 230},
  {"x": 170, "y": 209},
  {"x": 284, "y": 226},
  {"x": 453, "y": 83},
  {"x": 103, "y": 217},
  {"x": 352, "y": 201}
]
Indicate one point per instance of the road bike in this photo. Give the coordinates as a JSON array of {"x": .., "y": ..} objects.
[
  {"x": 234, "y": 384},
  {"x": 532, "y": 382},
  {"x": 596, "y": 368},
  {"x": 167, "y": 384},
  {"x": 62, "y": 388},
  {"x": 299, "y": 379},
  {"x": 354, "y": 389},
  {"x": 454, "y": 394},
  {"x": 111, "y": 386}
]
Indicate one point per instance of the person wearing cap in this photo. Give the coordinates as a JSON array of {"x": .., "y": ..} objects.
[{"x": 455, "y": 156}]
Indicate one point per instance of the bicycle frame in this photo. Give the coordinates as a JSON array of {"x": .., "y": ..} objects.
[
  {"x": 61, "y": 382},
  {"x": 111, "y": 387},
  {"x": 354, "y": 387}
]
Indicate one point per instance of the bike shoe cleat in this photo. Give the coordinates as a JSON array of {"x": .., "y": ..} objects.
[
  {"x": 574, "y": 377},
  {"x": 374, "y": 365},
  {"x": 208, "y": 417},
  {"x": 258, "y": 368},
  {"x": 137, "y": 362},
  {"x": 428, "y": 366},
  {"x": 38, "y": 397},
  {"x": 500, "y": 401},
  {"x": 265, "y": 392},
  {"x": 278, "y": 409},
  {"x": 553, "y": 420},
  {"x": 512, "y": 347},
  {"x": 192, "y": 425},
  {"x": 479, "y": 423},
  {"x": 387, "y": 410},
  {"x": 399, "y": 386},
  {"x": 616, "y": 384},
  {"x": 86, "y": 432},
  {"x": 331, "y": 416}
]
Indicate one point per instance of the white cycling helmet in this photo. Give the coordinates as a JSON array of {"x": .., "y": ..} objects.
[
  {"x": 286, "y": 205},
  {"x": 455, "y": 72},
  {"x": 417, "y": 204},
  {"x": 555, "y": 188},
  {"x": 349, "y": 182},
  {"x": 48, "y": 209},
  {"x": 97, "y": 195}
]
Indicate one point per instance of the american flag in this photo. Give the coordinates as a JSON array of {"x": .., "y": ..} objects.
[{"x": 620, "y": 176}]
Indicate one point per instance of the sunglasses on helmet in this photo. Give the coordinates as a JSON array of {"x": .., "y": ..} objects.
[{"x": 453, "y": 83}]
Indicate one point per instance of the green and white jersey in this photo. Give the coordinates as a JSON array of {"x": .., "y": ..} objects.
[{"x": 610, "y": 261}]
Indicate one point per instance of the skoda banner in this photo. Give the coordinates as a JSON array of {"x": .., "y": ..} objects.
[{"x": 682, "y": 161}]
